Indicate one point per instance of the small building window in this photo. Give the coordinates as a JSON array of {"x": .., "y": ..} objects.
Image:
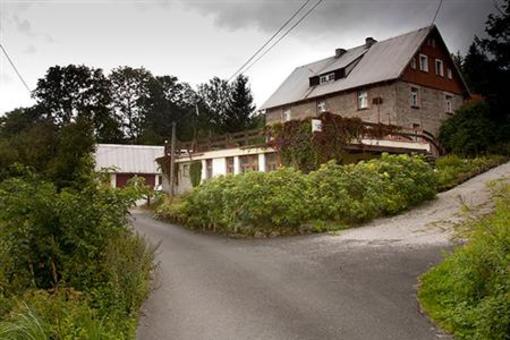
[
  {"x": 272, "y": 162},
  {"x": 321, "y": 106},
  {"x": 448, "y": 103},
  {"x": 286, "y": 115},
  {"x": 414, "y": 98},
  {"x": 424, "y": 63},
  {"x": 449, "y": 73},
  {"x": 362, "y": 100},
  {"x": 431, "y": 42},
  {"x": 413, "y": 63},
  {"x": 230, "y": 165},
  {"x": 185, "y": 170},
  {"x": 249, "y": 163},
  {"x": 208, "y": 168},
  {"x": 327, "y": 78},
  {"x": 439, "y": 67}
]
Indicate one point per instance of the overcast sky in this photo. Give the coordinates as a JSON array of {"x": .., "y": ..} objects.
[{"x": 196, "y": 40}]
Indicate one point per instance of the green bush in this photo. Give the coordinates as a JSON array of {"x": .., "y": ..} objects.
[
  {"x": 468, "y": 294},
  {"x": 451, "y": 170},
  {"x": 470, "y": 131},
  {"x": 362, "y": 191},
  {"x": 287, "y": 201},
  {"x": 53, "y": 241}
]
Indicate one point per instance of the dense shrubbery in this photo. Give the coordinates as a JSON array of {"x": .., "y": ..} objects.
[
  {"x": 287, "y": 200},
  {"x": 469, "y": 293},
  {"x": 453, "y": 170},
  {"x": 68, "y": 261},
  {"x": 472, "y": 131}
]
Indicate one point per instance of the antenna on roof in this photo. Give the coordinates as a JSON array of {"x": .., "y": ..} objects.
[{"x": 437, "y": 12}]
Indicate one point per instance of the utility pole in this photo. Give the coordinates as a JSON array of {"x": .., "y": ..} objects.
[{"x": 172, "y": 161}]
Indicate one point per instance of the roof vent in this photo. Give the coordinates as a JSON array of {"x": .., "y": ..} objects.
[
  {"x": 339, "y": 52},
  {"x": 369, "y": 42}
]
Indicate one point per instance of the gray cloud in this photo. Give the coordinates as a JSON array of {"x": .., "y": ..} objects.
[
  {"x": 30, "y": 49},
  {"x": 352, "y": 20}
]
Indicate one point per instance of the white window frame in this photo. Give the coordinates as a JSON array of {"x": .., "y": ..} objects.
[
  {"x": 448, "y": 102},
  {"x": 321, "y": 106},
  {"x": 362, "y": 96},
  {"x": 286, "y": 115},
  {"x": 326, "y": 78},
  {"x": 449, "y": 73},
  {"x": 413, "y": 63},
  {"x": 414, "y": 97},
  {"x": 439, "y": 66},
  {"x": 424, "y": 66}
]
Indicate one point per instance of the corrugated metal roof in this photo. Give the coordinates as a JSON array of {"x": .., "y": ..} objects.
[
  {"x": 139, "y": 159},
  {"x": 384, "y": 60}
]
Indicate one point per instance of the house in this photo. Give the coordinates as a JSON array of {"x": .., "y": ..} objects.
[
  {"x": 409, "y": 81},
  {"x": 126, "y": 161}
]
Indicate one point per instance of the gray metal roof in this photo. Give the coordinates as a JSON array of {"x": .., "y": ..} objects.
[
  {"x": 138, "y": 159},
  {"x": 384, "y": 60}
]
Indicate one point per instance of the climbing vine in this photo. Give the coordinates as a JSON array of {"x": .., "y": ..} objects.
[
  {"x": 195, "y": 173},
  {"x": 303, "y": 149}
]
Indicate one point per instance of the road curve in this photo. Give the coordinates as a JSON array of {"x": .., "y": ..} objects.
[{"x": 360, "y": 284}]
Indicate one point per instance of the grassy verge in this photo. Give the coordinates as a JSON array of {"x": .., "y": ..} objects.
[
  {"x": 452, "y": 170},
  {"x": 468, "y": 294}
]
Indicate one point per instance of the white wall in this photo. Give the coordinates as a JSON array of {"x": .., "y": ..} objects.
[{"x": 219, "y": 166}]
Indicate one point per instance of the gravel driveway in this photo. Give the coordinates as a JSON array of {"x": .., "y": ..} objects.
[{"x": 359, "y": 284}]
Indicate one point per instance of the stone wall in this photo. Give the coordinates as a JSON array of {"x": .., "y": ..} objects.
[{"x": 395, "y": 108}]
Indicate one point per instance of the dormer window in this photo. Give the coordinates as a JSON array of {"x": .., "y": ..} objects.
[{"x": 327, "y": 78}]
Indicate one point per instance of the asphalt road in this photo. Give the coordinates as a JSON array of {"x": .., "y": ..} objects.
[{"x": 360, "y": 284}]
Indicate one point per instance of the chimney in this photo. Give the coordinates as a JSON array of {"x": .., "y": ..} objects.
[
  {"x": 369, "y": 42},
  {"x": 339, "y": 52}
]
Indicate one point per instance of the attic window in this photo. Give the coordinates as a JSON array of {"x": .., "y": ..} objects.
[
  {"x": 413, "y": 63},
  {"x": 439, "y": 68},
  {"x": 327, "y": 78},
  {"x": 424, "y": 63},
  {"x": 449, "y": 73}
]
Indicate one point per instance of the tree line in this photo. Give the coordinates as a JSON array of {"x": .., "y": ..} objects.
[
  {"x": 133, "y": 106},
  {"x": 484, "y": 126}
]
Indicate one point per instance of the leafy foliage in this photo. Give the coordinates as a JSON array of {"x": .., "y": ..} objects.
[
  {"x": 195, "y": 173},
  {"x": 303, "y": 149},
  {"x": 451, "y": 170},
  {"x": 468, "y": 293},
  {"x": 53, "y": 240},
  {"x": 470, "y": 131},
  {"x": 288, "y": 201}
]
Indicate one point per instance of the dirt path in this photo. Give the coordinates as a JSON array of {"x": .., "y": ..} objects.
[{"x": 359, "y": 284}]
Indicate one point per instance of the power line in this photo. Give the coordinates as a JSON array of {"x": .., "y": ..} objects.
[
  {"x": 284, "y": 35},
  {"x": 437, "y": 12},
  {"x": 269, "y": 40},
  {"x": 15, "y": 69}
]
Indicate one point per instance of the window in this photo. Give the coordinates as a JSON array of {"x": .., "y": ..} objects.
[
  {"x": 448, "y": 103},
  {"x": 327, "y": 78},
  {"x": 230, "y": 165},
  {"x": 424, "y": 63},
  {"x": 272, "y": 162},
  {"x": 413, "y": 63},
  {"x": 286, "y": 115},
  {"x": 321, "y": 107},
  {"x": 449, "y": 73},
  {"x": 439, "y": 67},
  {"x": 414, "y": 97},
  {"x": 362, "y": 100},
  {"x": 249, "y": 163},
  {"x": 431, "y": 42},
  {"x": 208, "y": 168}
]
